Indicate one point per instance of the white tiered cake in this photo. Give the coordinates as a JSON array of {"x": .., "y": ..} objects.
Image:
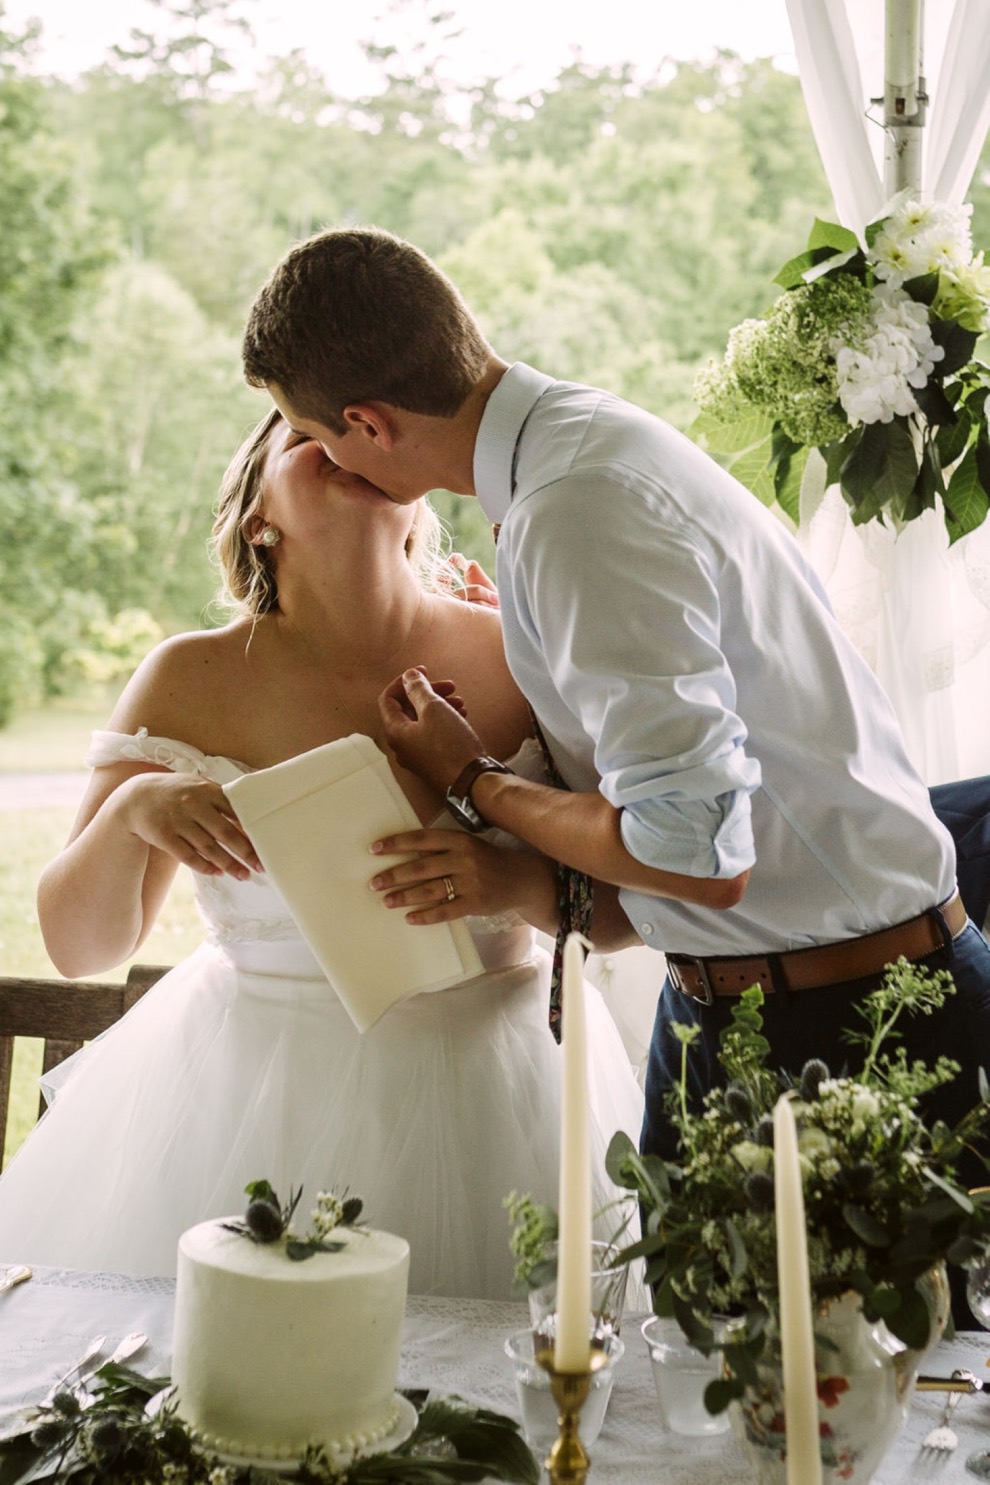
[{"x": 271, "y": 1356}]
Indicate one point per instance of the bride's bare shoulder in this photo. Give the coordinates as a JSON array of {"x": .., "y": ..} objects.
[{"x": 183, "y": 678}]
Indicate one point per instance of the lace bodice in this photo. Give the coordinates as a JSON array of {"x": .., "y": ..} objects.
[{"x": 250, "y": 920}]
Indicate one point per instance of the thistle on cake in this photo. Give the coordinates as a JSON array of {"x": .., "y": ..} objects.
[{"x": 267, "y": 1220}]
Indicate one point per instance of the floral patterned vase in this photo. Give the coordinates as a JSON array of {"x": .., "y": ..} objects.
[{"x": 865, "y": 1384}]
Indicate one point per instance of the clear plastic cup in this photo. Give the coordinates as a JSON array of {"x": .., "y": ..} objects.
[
  {"x": 536, "y": 1402},
  {"x": 680, "y": 1374},
  {"x": 608, "y": 1296}
]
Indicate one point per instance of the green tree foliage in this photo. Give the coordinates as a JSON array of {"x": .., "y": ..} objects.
[
  {"x": 610, "y": 228},
  {"x": 49, "y": 253}
]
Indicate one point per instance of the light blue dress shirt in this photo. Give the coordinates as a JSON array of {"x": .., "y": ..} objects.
[{"x": 682, "y": 657}]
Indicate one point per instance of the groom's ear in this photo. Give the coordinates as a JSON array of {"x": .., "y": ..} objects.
[{"x": 373, "y": 420}]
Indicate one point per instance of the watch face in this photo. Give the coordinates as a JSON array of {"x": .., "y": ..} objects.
[{"x": 465, "y": 813}]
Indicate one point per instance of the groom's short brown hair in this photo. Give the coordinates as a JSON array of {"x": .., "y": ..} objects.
[{"x": 359, "y": 315}]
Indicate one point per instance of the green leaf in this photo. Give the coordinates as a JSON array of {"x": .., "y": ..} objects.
[
  {"x": 788, "y": 475},
  {"x": 832, "y": 235},
  {"x": 881, "y": 469},
  {"x": 928, "y": 484},
  {"x": 753, "y": 469},
  {"x": 958, "y": 344},
  {"x": 951, "y": 439},
  {"x": 983, "y": 463},
  {"x": 934, "y": 404},
  {"x": 619, "y": 1149},
  {"x": 966, "y": 499},
  {"x": 791, "y": 276},
  {"x": 865, "y": 1225},
  {"x": 924, "y": 288},
  {"x": 731, "y": 438},
  {"x": 262, "y": 1191},
  {"x": 721, "y": 1392},
  {"x": 479, "y": 1437},
  {"x": 911, "y": 1322},
  {"x": 738, "y": 1256},
  {"x": 836, "y": 455}
]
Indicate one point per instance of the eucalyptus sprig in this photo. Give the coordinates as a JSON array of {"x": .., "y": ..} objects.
[{"x": 882, "y": 1197}]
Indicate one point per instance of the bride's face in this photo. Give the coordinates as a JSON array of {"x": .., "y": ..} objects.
[{"x": 308, "y": 496}]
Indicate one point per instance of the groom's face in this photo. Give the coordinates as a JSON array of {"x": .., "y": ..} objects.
[{"x": 358, "y": 450}]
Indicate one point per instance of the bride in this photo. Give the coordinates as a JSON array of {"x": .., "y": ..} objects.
[{"x": 241, "y": 1063}]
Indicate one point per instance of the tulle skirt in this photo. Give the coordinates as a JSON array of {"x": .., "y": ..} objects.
[{"x": 220, "y": 1076}]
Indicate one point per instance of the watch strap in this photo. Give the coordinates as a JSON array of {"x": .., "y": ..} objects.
[{"x": 471, "y": 772}]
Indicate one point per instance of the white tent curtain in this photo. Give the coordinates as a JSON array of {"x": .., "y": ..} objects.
[{"x": 918, "y": 610}]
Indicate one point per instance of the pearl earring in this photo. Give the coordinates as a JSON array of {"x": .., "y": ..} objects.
[{"x": 270, "y": 537}]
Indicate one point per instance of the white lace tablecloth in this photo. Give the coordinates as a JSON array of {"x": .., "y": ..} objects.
[{"x": 455, "y": 1346}]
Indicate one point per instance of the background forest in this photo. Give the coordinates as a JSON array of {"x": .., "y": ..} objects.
[{"x": 609, "y": 229}]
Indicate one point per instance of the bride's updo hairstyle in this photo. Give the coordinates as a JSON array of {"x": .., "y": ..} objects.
[{"x": 247, "y": 572}]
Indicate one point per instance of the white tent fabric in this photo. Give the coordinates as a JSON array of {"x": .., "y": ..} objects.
[{"x": 919, "y": 610}]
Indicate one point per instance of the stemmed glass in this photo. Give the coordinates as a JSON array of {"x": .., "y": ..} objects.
[{"x": 978, "y": 1294}]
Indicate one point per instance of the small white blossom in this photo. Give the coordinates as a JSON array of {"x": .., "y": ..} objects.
[
  {"x": 921, "y": 237},
  {"x": 326, "y": 1215}
]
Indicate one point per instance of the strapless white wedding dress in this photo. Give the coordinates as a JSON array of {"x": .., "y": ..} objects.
[{"x": 242, "y": 1064}]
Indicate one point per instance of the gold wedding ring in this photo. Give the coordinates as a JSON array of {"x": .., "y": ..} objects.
[{"x": 451, "y": 894}]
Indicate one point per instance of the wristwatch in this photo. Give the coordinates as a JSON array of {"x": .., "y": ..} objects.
[{"x": 459, "y": 794}]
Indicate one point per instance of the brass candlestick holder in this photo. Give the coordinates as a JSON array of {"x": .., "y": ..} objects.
[{"x": 567, "y": 1463}]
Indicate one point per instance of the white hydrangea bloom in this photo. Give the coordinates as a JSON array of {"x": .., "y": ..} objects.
[{"x": 875, "y": 376}]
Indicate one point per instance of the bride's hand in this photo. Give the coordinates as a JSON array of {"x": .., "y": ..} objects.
[
  {"x": 473, "y": 583},
  {"x": 455, "y": 875},
  {"x": 188, "y": 818}
]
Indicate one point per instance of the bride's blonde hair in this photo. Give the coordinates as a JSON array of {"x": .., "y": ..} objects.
[{"x": 247, "y": 572}]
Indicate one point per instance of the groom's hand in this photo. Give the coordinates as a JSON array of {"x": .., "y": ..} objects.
[{"x": 427, "y": 729}]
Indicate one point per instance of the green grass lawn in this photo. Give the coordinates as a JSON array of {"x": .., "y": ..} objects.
[{"x": 56, "y": 739}]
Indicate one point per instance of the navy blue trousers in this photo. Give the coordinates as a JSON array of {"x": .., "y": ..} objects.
[{"x": 810, "y": 1023}]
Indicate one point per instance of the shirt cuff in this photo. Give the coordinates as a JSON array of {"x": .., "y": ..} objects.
[{"x": 693, "y": 837}]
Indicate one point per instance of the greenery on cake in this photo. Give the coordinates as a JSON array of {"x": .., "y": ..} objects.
[
  {"x": 109, "y": 1438},
  {"x": 267, "y": 1220}
]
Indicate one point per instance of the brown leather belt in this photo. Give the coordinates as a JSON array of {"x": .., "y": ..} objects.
[{"x": 825, "y": 964}]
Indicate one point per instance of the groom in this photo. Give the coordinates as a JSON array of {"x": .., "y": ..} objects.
[{"x": 731, "y": 762}]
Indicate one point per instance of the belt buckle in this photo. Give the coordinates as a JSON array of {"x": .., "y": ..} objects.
[{"x": 704, "y": 995}]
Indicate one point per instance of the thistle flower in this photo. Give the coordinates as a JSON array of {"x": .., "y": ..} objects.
[
  {"x": 264, "y": 1221},
  {"x": 812, "y": 1075}
]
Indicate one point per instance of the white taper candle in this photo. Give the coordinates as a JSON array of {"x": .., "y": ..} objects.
[
  {"x": 804, "y": 1461},
  {"x": 572, "y": 1349}
]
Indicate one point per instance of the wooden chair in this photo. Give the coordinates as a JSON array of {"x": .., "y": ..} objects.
[{"x": 63, "y": 1014}]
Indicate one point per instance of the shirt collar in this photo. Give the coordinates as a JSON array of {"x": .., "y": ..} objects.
[{"x": 506, "y": 411}]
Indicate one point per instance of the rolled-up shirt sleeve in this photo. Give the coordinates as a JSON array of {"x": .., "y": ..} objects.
[
  {"x": 630, "y": 629},
  {"x": 691, "y": 836}
]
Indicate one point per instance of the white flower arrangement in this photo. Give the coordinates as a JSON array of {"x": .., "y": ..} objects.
[{"x": 867, "y": 356}]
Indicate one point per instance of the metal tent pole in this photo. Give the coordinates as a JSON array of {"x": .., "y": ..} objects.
[{"x": 904, "y": 96}]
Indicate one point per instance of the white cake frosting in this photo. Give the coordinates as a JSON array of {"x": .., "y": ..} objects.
[{"x": 271, "y": 1356}]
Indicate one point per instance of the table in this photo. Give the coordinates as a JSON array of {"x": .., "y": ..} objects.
[{"x": 455, "y": 1346}]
